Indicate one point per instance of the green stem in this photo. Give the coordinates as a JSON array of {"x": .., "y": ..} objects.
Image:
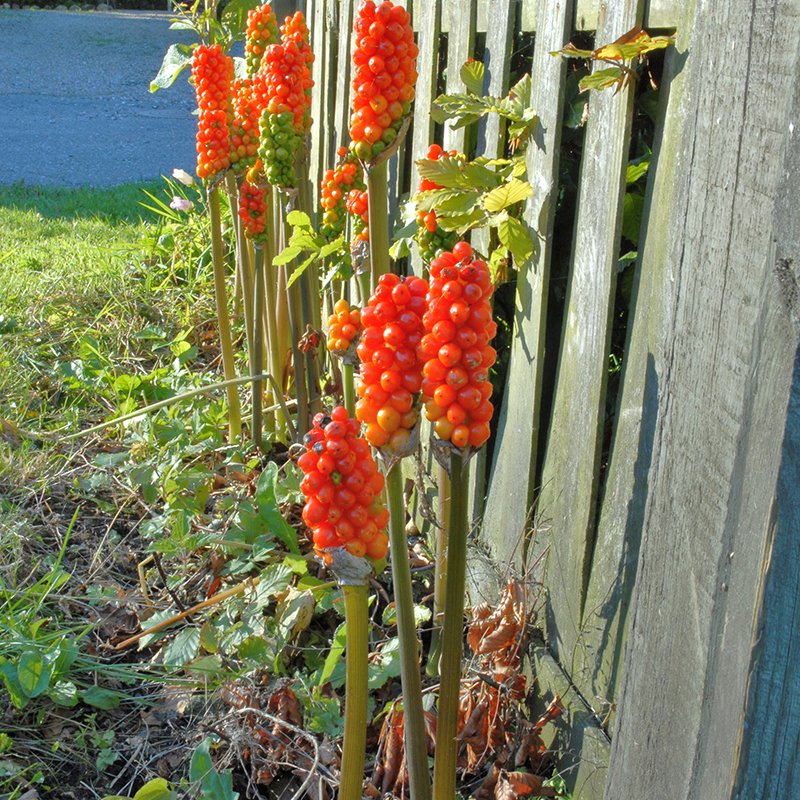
[
  {"x": 356, "y": 692},
  {"x": 444, "y": 774},
  {"x": 377, "y": 197},
  {"x": 349, "y": 388},
  {"x": 440, "y": 575},
  {"x": 271, "y": 308},
  {"x": 415, "y": 738},
  {"x": 258, "y": 350},
  {"x": 226, "y": 341}
]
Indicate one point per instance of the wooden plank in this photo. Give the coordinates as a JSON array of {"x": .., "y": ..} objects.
[
  {"x": 427, "y": 20},
  {"x": 529, "y": 13},
  {"x": 770, "y": 738},
  {"x": 341, "y": 111},
  {"x": 460, "y": 48},
  {"x": 572, "y": 461},
  {"x": 397, "y": 163},
  {"x": 510, "y": 492},
  {"x": 319, "y": 74},
  {"x": 580, "y": 745},
  {"x": 724, "y": 360},
  {"x": 657, "y": 14}
]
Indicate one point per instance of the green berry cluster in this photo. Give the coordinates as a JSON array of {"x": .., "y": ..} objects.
[{"x": 279, "y": 143}]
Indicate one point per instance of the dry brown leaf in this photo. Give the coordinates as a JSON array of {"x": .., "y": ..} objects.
[{"x": 511, "y": 785}]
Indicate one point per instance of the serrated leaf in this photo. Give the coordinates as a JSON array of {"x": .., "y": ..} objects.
[
  {"x": 176, "y": 59},
  {"x": 454, "y": 200},
  {"x": 480, "y": 177},
  {"x": 461, "y": 223},
  {"x": 472, "y": 75},
  {"x": 182, "y": 649},
  {"x": 570, "y": 51},
  {"x": 33, "y": 673},
  {"x": 446, "y": 172},
  {"x": 274, "y": 580},
  {"x": 516, "y": 239},
  {"x": 605, "y": 78},
  {"x": 299, "y": 270},
  {"x": 506, "y": 195},
  {"x": 100, "y": 698}
]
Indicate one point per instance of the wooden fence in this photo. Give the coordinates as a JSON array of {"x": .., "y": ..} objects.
[{"x": 672, "y": 549}]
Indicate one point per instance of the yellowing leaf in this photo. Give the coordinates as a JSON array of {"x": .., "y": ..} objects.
[
  {"x": 472, "y": 75},
  {"x": 506, "y": 195}
]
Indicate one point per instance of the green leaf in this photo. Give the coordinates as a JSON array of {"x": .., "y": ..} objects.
[
  {"x": 632, "y": 216},
  {"x": 636, "y": 170},
  {"x": 455, "y": 201},
  {"x": 421, "y": 615},
  {"x": 337, "y": 648},
  {"x": 157, "y": 789},
  {"x": 514, "y": 236},
  {"x": 101, "y": 698},
  {"x": 298, "y": 271},
  {"x": 33, "y": 673},
  {"x": 214, "y": 785},
  {"x": 176, "y": 59},
  {"x": 461, "y": 223},
  {"x": 604, "y": 78},
  {"x": 387, "y": 664},
  {"x": 506, "y": 195},
  {"x": 268, "y": 510},
  {"x": 64, "y": 693},
  {"x": 274, "y": 580},
  {"x": 446, "y": 172},
  {"x": 182, "y": 649},
  {"x": 234, "y": 15},
  {"x": 472, "y": 74},
  {"x": 9, "y": 672}
]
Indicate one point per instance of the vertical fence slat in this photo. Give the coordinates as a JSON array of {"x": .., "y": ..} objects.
[
  {"x": 427, "y": 24},
  {"x": 510, "y": 487},
  {"x": 569, "y": 484},
  {"x": 460, "y": 47},
  {"x": 321, "y": 72},
  {"x": 341, "y": 111}
]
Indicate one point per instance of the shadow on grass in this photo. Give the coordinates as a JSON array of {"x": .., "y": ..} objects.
[{"x": 115, "y": 204}]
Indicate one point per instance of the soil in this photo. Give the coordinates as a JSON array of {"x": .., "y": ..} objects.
[{"x": 76, "y": 102}]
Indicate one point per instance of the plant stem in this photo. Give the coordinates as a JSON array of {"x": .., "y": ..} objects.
[
  {"x": 258, "y": 349},
  {"x": 415, "y": 738},
  {"x": 377, "y": 198},
  {"x": 444, "y": 774},
  {"x": 440, "y": 575},
  {"x": 271, "y": 308},
  {"x": 356, "y": 692},
  {"x": 349, "y": 388},
  {"x": 226, "y": 342}
]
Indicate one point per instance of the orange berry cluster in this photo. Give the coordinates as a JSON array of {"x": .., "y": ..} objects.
[
  {"x": 391, "y": 373},
  {"x": 262, "y": 30},
  {"x": 252, "y": 210},
  {"x": 281, "y": 87},
  {"x": 383, "y": 83},
  {"x": 212, "y": 72},
  {"x": 343, "y": 326},
  {"x": 334, "y": 187},
  {"x": 357, "y": 205},
  {"x": 455, "y": 348},
  {"x": 431, "y": 239},
  {"x": 244, "y": 128},
  {"x": 342, "y": 487}
]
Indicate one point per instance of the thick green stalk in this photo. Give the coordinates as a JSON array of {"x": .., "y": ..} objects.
[
  {"x": 415, "y": 739},
  {"x": 377, "y": 197},
  {"x": 226, "y": 341},
  {"x": 356, "y": 692},
  {"x": 272, "y": 307},
  {"x": 440, "y": 575},
  {"x": 258, "y": 350},
  {"x": 444, "y": 771},
  {"x": 349, "y": 388}
]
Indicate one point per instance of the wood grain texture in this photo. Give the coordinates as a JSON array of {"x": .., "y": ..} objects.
[
  {"x": 427, "y": 21},
  {"x": 570, "y": 482},
  {"x": 511, "y": 481},
  {"x": 460, "y": 47},
  {"x": 724, "y": 375},
  {"x": 343, "y": 90}
]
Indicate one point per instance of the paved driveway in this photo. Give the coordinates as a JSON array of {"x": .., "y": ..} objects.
[{"x": 75, "y": 104}]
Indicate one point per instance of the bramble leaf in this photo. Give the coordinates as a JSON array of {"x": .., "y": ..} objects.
[{"x": 507, "y": 194}]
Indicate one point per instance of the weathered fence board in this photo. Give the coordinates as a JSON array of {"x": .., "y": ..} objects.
[
  {"x": 569, "y": 485},
  {"x": 511, "y": 483},
  {"x": 460, "y": 47},
  {"x": 724, "y": 372}
]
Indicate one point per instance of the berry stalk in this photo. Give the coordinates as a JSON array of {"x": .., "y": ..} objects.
[
  {"x": 377, "y": 197},
  {"x": 444, "y": 772},
  {"x": 415, "y": 737},
  {"x": 440, "y": 575},
  {"x": 226, "y": 341},
  {"x": 356, "y": 692}
]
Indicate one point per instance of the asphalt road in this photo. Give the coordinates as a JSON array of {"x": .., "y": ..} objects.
[{"x": 75, "y": 102}]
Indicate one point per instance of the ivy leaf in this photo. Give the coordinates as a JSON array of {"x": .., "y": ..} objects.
[
  {"x": 176, "y": 59},
  {"x": 472, "y": 74},
  {"x": 513, "y": 234},
  {"x": 506, "y": 195}
]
